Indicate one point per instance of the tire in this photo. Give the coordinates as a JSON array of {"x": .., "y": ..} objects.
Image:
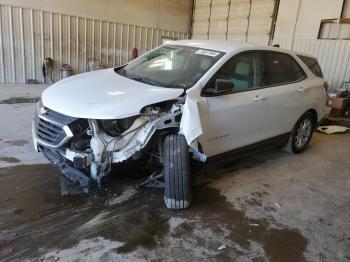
[
  {"x": 301, "y": 134},
  {"x": 176, "y": 171}
]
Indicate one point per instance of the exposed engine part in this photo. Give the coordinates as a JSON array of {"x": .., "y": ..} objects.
[
  {"x": 140, "y": 139},
  {"x": 116, "y": 127},
  {"x": 81, "y": 139},
  {"x": 100, "y": 165},
  {"x": 80, "y": 159}
]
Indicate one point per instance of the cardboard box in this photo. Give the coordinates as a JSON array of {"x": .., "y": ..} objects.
[
  {"x": 337, "y": 112},
  {"x": 338, "y": 103}
]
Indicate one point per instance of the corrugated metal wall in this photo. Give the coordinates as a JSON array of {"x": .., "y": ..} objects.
[
  {"x": 333, "y": 56},
  {"x": 28, "y": 36}
]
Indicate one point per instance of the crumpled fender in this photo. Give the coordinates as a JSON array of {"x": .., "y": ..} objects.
[{"x": 191, "y": 125}]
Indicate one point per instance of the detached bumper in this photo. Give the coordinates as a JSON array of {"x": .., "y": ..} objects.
[{"x": 74, "y": 175}]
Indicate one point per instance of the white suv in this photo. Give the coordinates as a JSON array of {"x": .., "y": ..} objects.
[{"x": 185, "y": 100}]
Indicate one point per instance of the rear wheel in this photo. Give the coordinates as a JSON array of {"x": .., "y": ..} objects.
[
  {"x": 176, "y": 172},
  {"x": 301, "y": 134}
]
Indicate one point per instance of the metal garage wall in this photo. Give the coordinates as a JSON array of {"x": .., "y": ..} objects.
[
  {"x": 238, "y": 20},
  {"x": 333, "y": 56},
  {"x": 27, "y": 36}
]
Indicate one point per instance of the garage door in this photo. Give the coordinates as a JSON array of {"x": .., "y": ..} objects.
[{"x": 238, "y": 20}]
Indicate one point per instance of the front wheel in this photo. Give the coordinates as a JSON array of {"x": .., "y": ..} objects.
[
  {"x": 176, "y": 171},
  {"x": 301, "y": 134}
]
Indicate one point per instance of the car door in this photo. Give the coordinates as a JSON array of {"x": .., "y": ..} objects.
[
  {"x": 283, "y": 78},
  {"x": 235, "y": 119}
]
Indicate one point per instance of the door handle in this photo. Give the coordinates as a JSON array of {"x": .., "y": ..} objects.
[
  {"x": 301, "y": 89},
  {"x": 259, "y": 98}
]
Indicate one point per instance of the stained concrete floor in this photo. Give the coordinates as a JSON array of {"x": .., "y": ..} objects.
[{"x": 271, "y": 206}]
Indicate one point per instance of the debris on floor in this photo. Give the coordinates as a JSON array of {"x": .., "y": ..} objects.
[
  {"x": 278, "y": 205},
  {"x": 332, "y": 129},
  {"x": 222, "y": 247}
]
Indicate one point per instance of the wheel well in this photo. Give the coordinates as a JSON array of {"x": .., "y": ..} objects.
[{"x": 314, "y": 113}]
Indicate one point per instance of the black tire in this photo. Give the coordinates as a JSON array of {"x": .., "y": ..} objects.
[
  {"x": 176, "y": 171},
  {"x": 293, "y": 146}
]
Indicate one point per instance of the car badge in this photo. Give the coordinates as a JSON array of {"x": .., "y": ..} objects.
[{"x": 42, "y": 110}]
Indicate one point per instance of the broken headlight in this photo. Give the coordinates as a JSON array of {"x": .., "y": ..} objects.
[{"x": 116, "y": 127}]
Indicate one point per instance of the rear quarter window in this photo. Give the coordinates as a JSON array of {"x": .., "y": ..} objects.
[
  {"x": 312, "y": 64},
  {"x": 280, "y": 68}
]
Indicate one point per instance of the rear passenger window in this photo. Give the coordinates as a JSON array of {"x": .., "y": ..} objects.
[
  {"x": 312, "y": 64},
  {"x": 279, "y": 68}
]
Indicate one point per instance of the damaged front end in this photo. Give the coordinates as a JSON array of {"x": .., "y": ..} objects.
[{"x": 84, "y": 150}]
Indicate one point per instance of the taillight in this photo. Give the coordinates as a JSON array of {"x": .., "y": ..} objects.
[{"x": 326, "y": 86}]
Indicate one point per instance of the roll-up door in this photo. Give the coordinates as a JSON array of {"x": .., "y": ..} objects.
[{"x": 237, "y": 20}]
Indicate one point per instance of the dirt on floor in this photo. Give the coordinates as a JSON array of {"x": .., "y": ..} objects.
[
  {"x": 35, "y": 218},
  {"x": 268, "y": 207}
]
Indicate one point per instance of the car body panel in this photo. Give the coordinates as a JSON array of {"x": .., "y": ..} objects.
[
  {"x": 103, "y": 94},
  {"x": 212, "y": 125},
  {"x": 233, "y": 121}
]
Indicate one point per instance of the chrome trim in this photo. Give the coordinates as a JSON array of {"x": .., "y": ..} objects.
[
  {"x": 64, "y": 134},
  {"x": 50, "y": 120},
  {"x": 46, "y": 144},
  {"x": 68, "y": 132}
]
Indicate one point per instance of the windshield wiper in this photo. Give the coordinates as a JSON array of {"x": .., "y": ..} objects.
[
  {"x": 120, "y": 70},
  {"x": 143, "y": 80}
]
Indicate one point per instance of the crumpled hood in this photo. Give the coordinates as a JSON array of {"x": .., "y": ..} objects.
[{"x": 103, "y": 94}]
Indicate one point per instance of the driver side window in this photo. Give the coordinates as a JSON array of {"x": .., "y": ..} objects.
[{"x": 243, "y": 70}]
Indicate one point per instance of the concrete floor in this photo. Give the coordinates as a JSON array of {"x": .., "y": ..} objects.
[{"x": 268, "y": 207}]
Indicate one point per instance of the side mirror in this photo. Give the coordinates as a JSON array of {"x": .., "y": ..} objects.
[{"x": 222, "y": 86}]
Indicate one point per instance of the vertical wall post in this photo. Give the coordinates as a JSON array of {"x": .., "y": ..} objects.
[
  {"x": 85, "y": 46},
  {"x": 100, "y": 41},
  {"x": 69, "y": 42},
  {"x": 32, "y": 37},
  {"x": 12, "y": 52},
  {"x": 22, "y": 45},
  {"x": 121, "y": 44},
  {"x": 107, "y": 60},
  {"x": 114, "y": 43},
  {"x": 2, "y": 55},
  {"x": 77, "y": 45}
]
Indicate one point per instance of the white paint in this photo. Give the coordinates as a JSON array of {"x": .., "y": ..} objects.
[
  {"x": 103, "y": 94},
  {"x": 253, "y": 115}
]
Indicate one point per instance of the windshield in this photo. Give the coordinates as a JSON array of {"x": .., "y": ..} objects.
[{"x": 171, "y": 66}]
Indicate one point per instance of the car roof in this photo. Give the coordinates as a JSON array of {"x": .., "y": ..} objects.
[
  {"x": 230, "y": 46},
  {"x": 222, "y": 46}
]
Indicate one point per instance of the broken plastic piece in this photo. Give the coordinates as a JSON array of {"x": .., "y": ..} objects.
[
  {"x": 332, "y": 129},
  {"x": 222, "y": 247}
]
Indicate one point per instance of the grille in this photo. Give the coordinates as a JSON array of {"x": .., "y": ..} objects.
[{"x": 51, "y": 126}]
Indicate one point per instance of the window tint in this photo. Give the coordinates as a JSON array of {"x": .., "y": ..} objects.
[
  {"x": 243, "y": 70},
  {"x": 280, "y": 68},
  {"x": 312, "y": 64}
]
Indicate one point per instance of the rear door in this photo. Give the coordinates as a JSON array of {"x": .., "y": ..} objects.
[{"x": 284, "y": 78}]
